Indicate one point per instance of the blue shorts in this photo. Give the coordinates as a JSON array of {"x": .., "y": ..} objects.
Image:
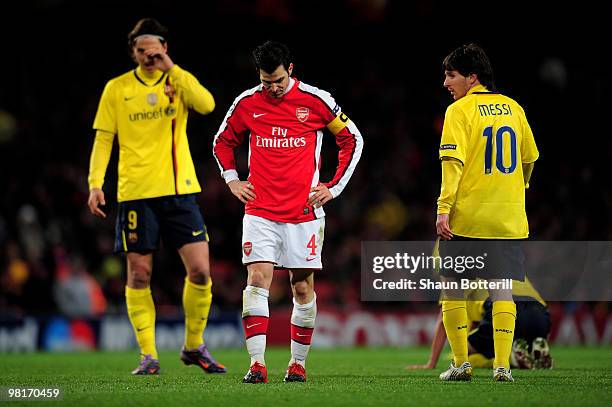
[
  {"x": 141, "y": 223},
  {"x": 503, "y": 258}
]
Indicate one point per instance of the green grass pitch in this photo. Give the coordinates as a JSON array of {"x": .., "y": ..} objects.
[{"x": 355, "y": 377}]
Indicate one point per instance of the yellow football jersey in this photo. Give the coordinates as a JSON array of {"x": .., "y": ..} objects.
[
  {"x": 151, "y": 129},
  {"x": 489, "y": 134}
]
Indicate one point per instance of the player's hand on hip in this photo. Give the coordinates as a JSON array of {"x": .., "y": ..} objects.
[
  {"x": 320, "y": 197},
  {"x": 443, "y": 228},
  {"x": 96, "y": 198},
  {"x": 243, "y": 190}
]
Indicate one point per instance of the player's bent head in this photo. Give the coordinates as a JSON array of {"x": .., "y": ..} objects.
[
  {"x": 147, "y": 26},
  {"x": 471, "y": 59},
  {"x": 270, "y": 55}
]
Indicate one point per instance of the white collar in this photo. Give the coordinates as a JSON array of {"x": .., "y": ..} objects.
[{"x": 291, "y": 83}]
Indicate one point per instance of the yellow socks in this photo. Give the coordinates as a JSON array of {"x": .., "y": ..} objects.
[
  {"x": 196, "y": 302},
  {"x": 480, "y": 360},
  {"x": 141, "y": 311},
  {"x": 454, "y": 316},
  {"x": 504, "y": 316}
]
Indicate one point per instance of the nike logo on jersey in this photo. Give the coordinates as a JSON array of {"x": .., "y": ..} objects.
[
  {"x": 256, "y": 115},
  {"x": 141, "y": 329},
  {"x": 126, "y": 98},
  {"x": 197, "y": 232},
  {"x": 307, "y": 259},
  {"x": 299, "y": 334},
  {"x": 251, "y": 326}
]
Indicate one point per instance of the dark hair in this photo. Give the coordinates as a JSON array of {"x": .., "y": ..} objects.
[
  {"x": 270, "y": 55},
  {"x": 147, "y": 26},
  {"x": 471, "y": 59}
]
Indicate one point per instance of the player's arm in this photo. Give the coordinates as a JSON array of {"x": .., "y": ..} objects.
[
  {"x": 452, "y": 169},
  {"x": 527, "y": 170},
  {"x": 196, "y": 96},
  {"x": 529, "y": 149},
  {"x": 437, "y": 344},
  {"x": 350, "y": 145},
  {"x": 105, "y": 125},
  {"x": 231, "y": 135},
  {"x": 452, "y": 155},
  {"x": 98, "y": 162}
]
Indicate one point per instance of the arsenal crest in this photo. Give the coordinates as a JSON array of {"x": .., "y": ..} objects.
[
  {"x": 302, "y": 113},
  {"x": 247, "y": 247}
]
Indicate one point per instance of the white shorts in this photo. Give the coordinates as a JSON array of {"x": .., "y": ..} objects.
[{"x": 287, "y": 245}]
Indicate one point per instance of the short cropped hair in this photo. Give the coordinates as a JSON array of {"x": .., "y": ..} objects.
[
  {"x": 270, "y": 55},
  {"x": 471, "y": 59}
]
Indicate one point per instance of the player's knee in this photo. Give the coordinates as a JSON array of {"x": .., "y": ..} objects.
[
  {"x": 139, "y": 276},
  {"x": 500, "y": 295},
  {"x": 199, "y": 274},
  {"x": 302, "y": 289},
  {"x": 257, "y": 279}
]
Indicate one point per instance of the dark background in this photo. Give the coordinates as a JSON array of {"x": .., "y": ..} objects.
[{"x": 381, "y": 60}]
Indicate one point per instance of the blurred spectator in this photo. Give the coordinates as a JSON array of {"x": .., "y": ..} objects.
[{"x": 76, "y": 292}]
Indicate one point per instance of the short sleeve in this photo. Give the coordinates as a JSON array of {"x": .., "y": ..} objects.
[
  {"x": 454, "y": 134},
  {"x": 106, "y": 117}
]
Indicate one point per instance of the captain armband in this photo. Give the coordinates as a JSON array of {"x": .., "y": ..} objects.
[{"x": 340, "y": 122}]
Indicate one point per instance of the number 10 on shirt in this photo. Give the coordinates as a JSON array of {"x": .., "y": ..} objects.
[{"x": 499, "y": 144}]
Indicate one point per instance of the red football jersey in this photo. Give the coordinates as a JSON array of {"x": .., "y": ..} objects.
[{"x": 285, "y": 137}]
